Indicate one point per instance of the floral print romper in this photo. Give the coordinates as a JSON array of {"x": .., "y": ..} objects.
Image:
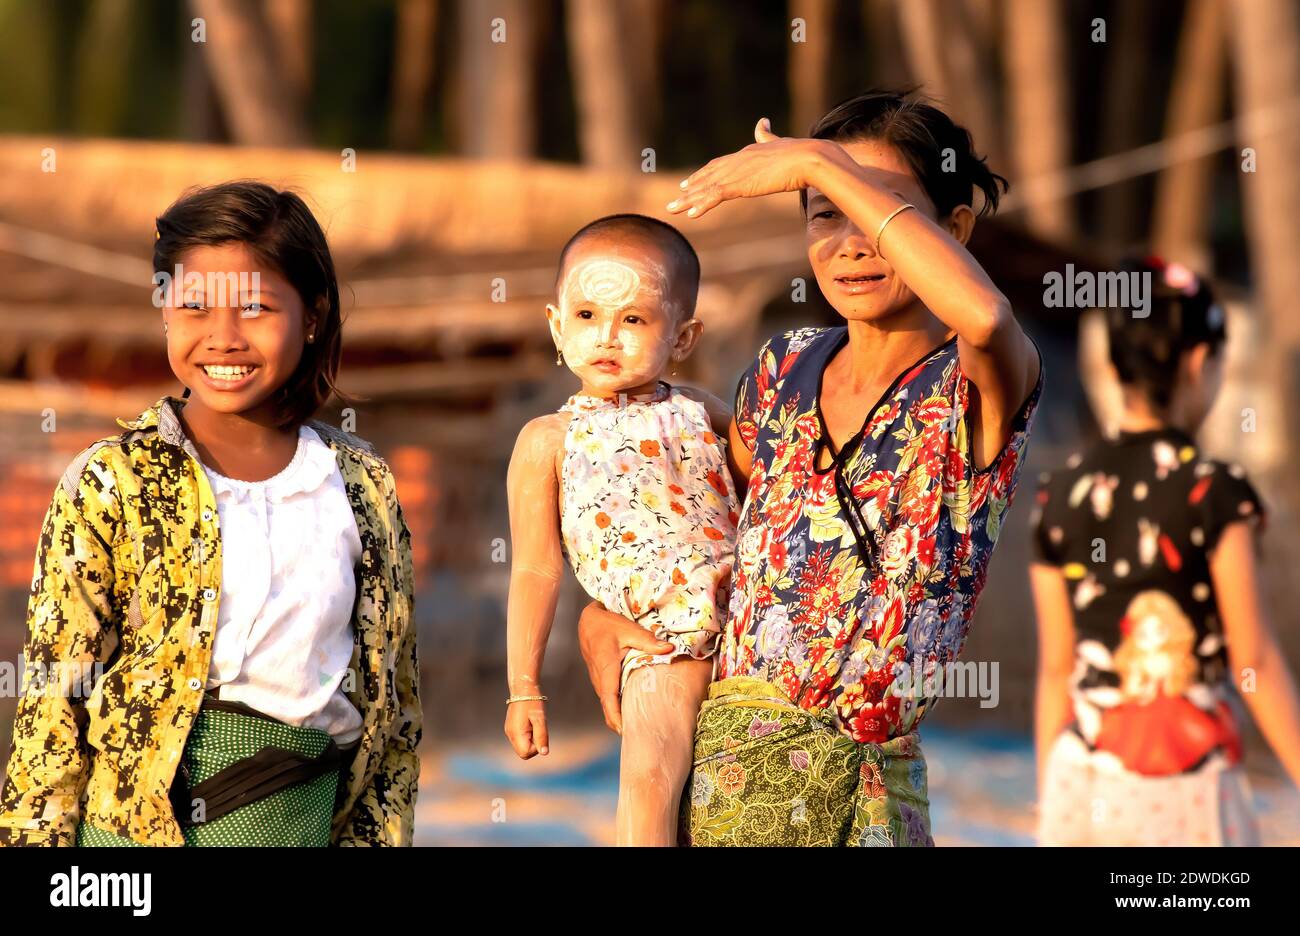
[{"x": 648, "y": 516}]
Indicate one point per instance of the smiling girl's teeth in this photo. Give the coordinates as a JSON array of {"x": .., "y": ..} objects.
[{"x": 227, "y": 373}]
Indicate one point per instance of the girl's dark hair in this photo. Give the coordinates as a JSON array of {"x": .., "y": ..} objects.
[
  {"x": 280, "y": 230},
  {"x": 1182, "y": 313},
  {"x": 921, "y": 132}
]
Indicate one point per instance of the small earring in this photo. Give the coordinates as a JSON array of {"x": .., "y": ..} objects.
[
  {"x": 559, "y": 358},
  {"x": 311, "y": 337}
]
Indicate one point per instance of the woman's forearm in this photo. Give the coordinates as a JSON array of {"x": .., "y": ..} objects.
[
  {"x": 1268, "y": 686},
  {"x": 1052, "y": 714},
  {"x": 934, "y": 265},
  {"x": 1275, "y": 706}
]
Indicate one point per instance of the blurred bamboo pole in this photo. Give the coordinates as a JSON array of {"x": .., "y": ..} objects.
[
  {"x": 417, "y": 26},
  {"x": 918, "y": 27},
  {"x": 257, "y": 95},
  {"x": 200, "y": 110},
  {"x": 497, "y": 112},
  {"x": 610, "y": 135},
  {"x": 880, "y": 23},
  {"x": 808, "y": 68},
  {"x": 1181, "y": 219},
  {"x": 1039, "y": 106},
  {"x": 982, "y": 18},
  {"x": 645, "y": 19},
  {"x": 36, "y": 82},
  {"x": 940, "y": 42},
  {"x": 1266, "y": 51},
  {"x": 1124, "y": 123},
  {"x": 973, "y": 86},
  {"x": 290, "y": 22},
  {"x": 103, "y": 60}
]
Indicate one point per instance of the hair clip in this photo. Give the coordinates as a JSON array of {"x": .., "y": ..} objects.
[
  {"x": 156, "y": 235},
  {"x": 1181, "y": 278}
]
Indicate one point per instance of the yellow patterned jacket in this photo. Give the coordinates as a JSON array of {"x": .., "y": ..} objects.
[{"x": 127, "y": 587}]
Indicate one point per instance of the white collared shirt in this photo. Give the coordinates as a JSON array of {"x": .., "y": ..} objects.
[{"x": 289, "y": 547}]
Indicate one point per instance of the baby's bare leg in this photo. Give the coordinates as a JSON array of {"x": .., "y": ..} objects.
[{"x": 660, "y": 705}]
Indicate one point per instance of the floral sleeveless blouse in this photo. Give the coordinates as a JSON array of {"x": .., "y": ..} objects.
[
  {"x": 851, "y": 579},
  {"x": 648, "y": 515}
]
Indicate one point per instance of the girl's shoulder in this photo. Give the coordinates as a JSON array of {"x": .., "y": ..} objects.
[
  {"x": 355, "y": 457},
  {"x": 547, "y": 430},
  {"x": 539, "y": 444},
  {"x": 1221, "y": 492},
  {"x": 98, "y": 452},
  {"x": 335, "y": 438},
  {"x": 95, "y": 466}
]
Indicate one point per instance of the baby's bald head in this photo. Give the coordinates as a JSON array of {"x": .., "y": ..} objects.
[{"x": 656, "y": 244}]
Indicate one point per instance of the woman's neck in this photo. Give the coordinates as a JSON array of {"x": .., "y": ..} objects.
[
  {"x": 879, "y": 350},
  {"x": 1130, "y": 421},
  {"x": 1138, "y": 415}
]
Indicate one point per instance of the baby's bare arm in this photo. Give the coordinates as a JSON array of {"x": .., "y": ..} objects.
[{"x": 536, "y": 561}]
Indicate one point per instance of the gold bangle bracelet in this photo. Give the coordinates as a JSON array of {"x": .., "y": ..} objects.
[
  {"x": 526, "y": 698},
  {"x": 881, "y": 230}
]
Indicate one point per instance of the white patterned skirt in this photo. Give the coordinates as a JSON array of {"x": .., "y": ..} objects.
[{"x": 1089, "y": 798}]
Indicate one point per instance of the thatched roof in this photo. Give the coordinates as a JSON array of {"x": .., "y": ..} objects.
[{"x": 418, "y": 243}]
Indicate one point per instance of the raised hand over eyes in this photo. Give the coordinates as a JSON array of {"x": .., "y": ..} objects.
[{"x": 769, "y": 165}]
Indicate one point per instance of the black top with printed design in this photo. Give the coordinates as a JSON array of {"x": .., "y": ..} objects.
[{"x": 1132, "y": 523}]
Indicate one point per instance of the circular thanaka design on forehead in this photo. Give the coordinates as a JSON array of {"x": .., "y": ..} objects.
[{"x": 606, "y": 282}]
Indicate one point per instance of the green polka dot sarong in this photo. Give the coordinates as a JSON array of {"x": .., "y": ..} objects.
[
  {"x": 247, "y": 779},
  {"x": 767, "y": 772}
]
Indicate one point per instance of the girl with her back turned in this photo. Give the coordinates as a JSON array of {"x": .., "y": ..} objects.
[{"x": 1148, "y": 605}]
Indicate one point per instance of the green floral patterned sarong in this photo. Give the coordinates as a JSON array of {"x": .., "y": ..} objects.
[{"x": 770, "y": 773}]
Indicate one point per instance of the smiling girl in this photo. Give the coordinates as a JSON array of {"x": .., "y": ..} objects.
[{"x": 237, "y": 573}]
